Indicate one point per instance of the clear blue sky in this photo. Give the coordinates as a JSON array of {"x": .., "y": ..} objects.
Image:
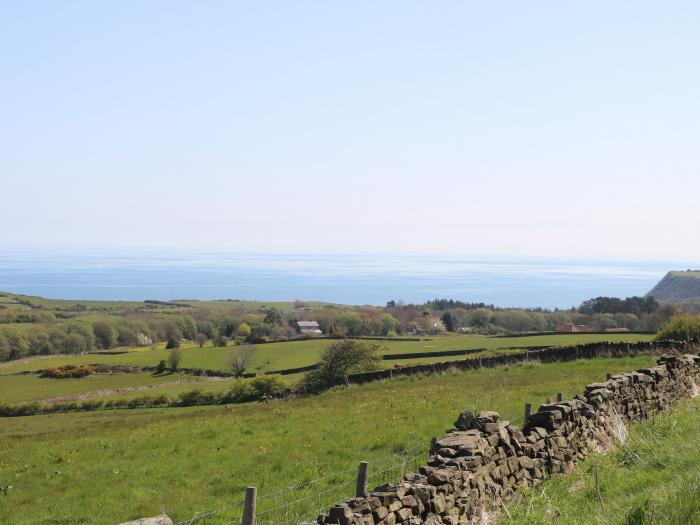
[{"x": 517, "y": 128}]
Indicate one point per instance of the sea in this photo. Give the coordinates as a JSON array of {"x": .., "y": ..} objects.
[{"x": 360, "y": 279}]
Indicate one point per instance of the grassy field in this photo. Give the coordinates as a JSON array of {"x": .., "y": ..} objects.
[
  {"x": 107, "y": 466},
  {"x": 18, "y": 389},
  {"x": 654, "y": 478},
  {"x": 276, "y": 356}
]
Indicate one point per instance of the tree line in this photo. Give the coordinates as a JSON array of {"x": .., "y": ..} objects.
[{"x": 40, "y": 330}]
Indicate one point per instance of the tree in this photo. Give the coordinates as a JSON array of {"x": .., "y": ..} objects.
[
  {"x": 430, "y": 324},
  {"x": 612, "y": 305},
  {"x": 4, "y": 348},
  {"x": 340, "y": 359},
  {"x": 273, "y": 317},
  {"x": 57, "y": 340},
  {"x": 220, "y": 340},
  {"x": 105, "y": 334},
  {"x": 514, "y": 320},
  {"x": 349, "y": 322},
  {"x": 243, "y": 330},
  {"x": 173, "y": 334},
  {"x": 449, "y": 321},
  {"x": 172, "y": 343},
  {"x": 258, "y": 333},
  {"x": 75, "y": 344},
  {"x": 17, "y": 341},
  {"x": 39, "y": 343},
  {"x": 482, "y": 317},
  {"x": 187, "y": 326},
  {"x": 85, "y": 330},
  {"x": 207, "y": 328},
  {"x": 201, "y": 339},
  {"x": 605, "y": 321},
  {"x": 126, "y": 335},
  {"x": 389, "y": 323},
  {"x": 174, "y": 359},
  {"x": 239, "y": 359}
]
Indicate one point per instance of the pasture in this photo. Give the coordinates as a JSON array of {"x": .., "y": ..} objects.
[
  {"x": 292, "y": 354},
  {"x": 27, "y": 388},
  {"x": 187, "y": 460}
]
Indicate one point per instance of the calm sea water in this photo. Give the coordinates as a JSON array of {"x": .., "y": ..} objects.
[{"x": 352, "y": 279}]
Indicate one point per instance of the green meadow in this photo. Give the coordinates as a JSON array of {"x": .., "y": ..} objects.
[
  {"x": 25, "y": 388},
  {"x": 292, "y": 354},
  {"x": 111, "y": 465}
]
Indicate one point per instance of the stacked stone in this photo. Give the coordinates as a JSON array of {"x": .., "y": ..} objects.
[
  {"x": 483, "y": 460},
  {"x": 562, "y": 353}
]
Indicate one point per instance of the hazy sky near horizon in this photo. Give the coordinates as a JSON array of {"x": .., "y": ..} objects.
[{"x": 475, "y": 128}]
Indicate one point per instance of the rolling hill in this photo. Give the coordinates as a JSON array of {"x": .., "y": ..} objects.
[{"x": 678, "y": 288}]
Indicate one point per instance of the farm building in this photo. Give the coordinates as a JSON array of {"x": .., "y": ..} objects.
[
  {"x": 570, "y": 328},
  {"x": 308, "y": 328}
]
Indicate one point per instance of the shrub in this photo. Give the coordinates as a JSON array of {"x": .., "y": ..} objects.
[
  {"x": 68, "y": 371},
  {"x": 195, "y": 397},
  {"x": 268, "y": 386},
  {"x": 680, "y": 328},
  {"x": 145, "y": 401},
  {"x": 161, "y": 367},
  {"x": 92, "y": 405},
  {"x": 26, "y": 409},
  {"x": 240, "y": 391}
]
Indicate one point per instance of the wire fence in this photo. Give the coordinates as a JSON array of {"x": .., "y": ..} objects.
[
  {"x": 305, "y": 501},
  {"x": 302, "y": 502},
  {"x": 226, "y": 515}
]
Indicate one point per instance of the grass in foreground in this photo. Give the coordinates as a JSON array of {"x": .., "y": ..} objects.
[
  {"x": 654, "y": 478},
  {"x": 110, "y": 466}
]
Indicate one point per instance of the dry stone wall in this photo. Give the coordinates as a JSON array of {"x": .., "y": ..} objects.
[
  {"x": 482, "y": 462},
  {"x": 542, "y": 354}
]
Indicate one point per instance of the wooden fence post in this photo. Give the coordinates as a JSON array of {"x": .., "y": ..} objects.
[
  {"x": 560, "y": 397},
  {"x": 528, "y": 411},
  {"x": 361, "y": 487},
  {"x": 249, "y": 506},
  {"x": 609, "y": 376}
]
